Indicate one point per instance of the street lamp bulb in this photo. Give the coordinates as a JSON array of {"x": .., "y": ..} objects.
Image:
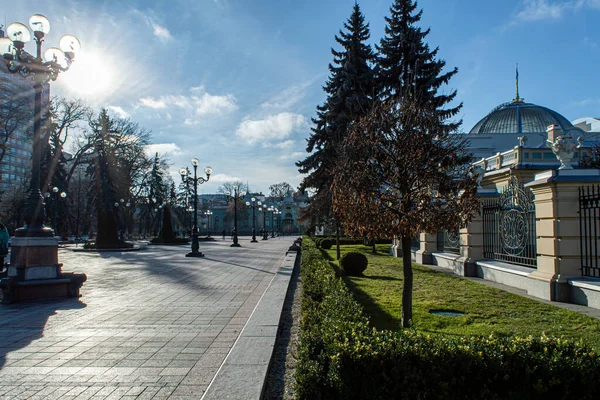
[
  {"x": 253, "y": 199},
  {"x": 195, "y": 162},
  {"x": 39, "y": 23},
  {"x": 63, "y": 194},
  {"x": 247, "y": 203},
  {"x": 122, "y": 200},
  {"x": 70, "y": 45},
  {"x": 128, "y": 204},
  {"x": 6, "y": 46},
  {"x": 54, "y": 54},
  {"x": 208, "y": 171},
  {"x": 183, "y": 172},
  {"x": 18, "y": 32},
  {"x": 55, "y": 189},
  {"x": 243, "y": 193},
  {"x": 116, "y": 204},
  {"x": 235, "y": 187},
  {"x": 46, "y": 195}
]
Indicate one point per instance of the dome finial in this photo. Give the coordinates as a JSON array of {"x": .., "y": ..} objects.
[{"x": 517, "y": 99}]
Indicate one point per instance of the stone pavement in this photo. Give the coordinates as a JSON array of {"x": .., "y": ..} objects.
[{"x": 151, "y": 324}]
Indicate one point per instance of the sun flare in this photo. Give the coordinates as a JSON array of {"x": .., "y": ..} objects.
[{"x": 90, "y": 75}]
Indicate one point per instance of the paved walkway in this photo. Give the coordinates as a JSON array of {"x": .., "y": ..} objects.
[{"x": 151, "y": 324}]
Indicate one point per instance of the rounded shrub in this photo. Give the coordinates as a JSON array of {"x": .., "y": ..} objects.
[
  {"x": 327, "y": 244},
  {"x": 354, "y": 263}
]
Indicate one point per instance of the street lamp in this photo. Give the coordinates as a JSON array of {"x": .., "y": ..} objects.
[
  {"x": 278, "y": 213},
  {"x": 42, "y": 70},
  {"x": 235, "y": 196},
  {"x": 185, "y": 173},
  {"x": 54, "y": 195},
  {"x": 122, "y": 207},
  {"x": 208, "y": 214},
  {"x": 265, "y": 232},
  {"x": 272, "y": 209},
  {"x": 196, "y": 180},
  {"x": 253, "y": 205}
]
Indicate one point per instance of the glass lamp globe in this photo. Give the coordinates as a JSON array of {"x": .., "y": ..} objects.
[
  {"x": 54, "y": 54},
  {"x": 55, "y": 189},
  {"x": 182, "y": 171},
  {"x": 6, "y": 46},
  {"x": 248, "y": 203},
  {"x": 259, "y": 203},
  {"x": 116, "y": 204},
  {"x": 63, "y": 195},
  {"x": 208, "y": 171},
  {"x": 128, "y": 204},
  {"x": 18, "y": 33},
  {"x": 70, "y": 45},
  {"x": 243, "y": 193},
  {"x": 235, "y": 187},
  {"x": 39, "y": 23},
  {"x": 253, "y": 199},
  {"x": 195, "y": 162}
]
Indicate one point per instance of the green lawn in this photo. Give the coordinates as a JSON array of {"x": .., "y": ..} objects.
[{"x": 487, "y": 310}]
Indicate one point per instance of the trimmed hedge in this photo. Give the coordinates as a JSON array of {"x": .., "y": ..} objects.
[
  {"x": 341, "y": 357},
  {"x": 327, "y": 244},
  {"x": 354, "y": 263}
]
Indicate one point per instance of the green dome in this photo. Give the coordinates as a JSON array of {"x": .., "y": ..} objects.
[{"x": 520, "y": 117}]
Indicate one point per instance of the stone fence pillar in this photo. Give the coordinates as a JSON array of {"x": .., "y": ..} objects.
[
  {"x": 557, "y": 229},
  {"x": 427, "y": 245}
]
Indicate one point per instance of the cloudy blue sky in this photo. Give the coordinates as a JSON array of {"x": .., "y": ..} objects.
[{"x": 235, "y": 82}]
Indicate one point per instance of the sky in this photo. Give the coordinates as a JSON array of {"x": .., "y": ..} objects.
[{"x": 235, "y": 83}]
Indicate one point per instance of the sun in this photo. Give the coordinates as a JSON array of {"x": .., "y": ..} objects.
[{"x": 89, "y": 75}]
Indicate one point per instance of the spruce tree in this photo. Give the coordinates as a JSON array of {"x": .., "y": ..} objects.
[
  {"x": 408, "y": 69},
  {"x": 350, "y": 89}
]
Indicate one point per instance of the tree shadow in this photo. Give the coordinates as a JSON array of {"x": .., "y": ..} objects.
[
  {"x": 378, "y": 317},
  {"x": 22, "y": 323}
]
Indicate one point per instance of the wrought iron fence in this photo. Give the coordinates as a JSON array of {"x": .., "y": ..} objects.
[
  {"x": 415, "y": 242},
  {"x": 589, "y": 227},
  {"x": 449, "y": 242},
  {"x": 509, "y": 226}
]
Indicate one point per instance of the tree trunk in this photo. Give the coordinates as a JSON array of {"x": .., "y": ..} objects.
[
  {"x": 337, "y": 240},
  {"x": 408, "y": 282},
  {"x": 374, "y": 242}
]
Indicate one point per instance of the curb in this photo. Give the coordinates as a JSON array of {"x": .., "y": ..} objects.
[{"x": 242, "y": 375}]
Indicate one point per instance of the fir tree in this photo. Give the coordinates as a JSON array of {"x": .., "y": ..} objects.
[
  {"x": 408, "y": 69},
  {"x": 350, "y": 89}
]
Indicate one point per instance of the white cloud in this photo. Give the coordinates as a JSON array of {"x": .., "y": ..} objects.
[
  {"x": 586, "y": 102},
  {"x": 161, "y": 32},
  {"x": 198, "y": 104},
  {"x": 274, "y": 127},
  {"x": 119, "y": 112},
  {"x": 222, "y": 178},
  {"x": 163, "y": 149},
  {"x": 297, "y": 155},
  {"x": 151, "y": 103},
  {"x": 288, "y": 97},
  {"x": 536, "y": 10}
]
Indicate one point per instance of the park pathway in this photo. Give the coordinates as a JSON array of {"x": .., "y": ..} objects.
[{"x": 151, "y": 324}]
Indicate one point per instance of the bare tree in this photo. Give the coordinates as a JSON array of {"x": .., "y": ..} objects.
[
  {"x": 16, "y": 116},
  {"x": 402, "y": 173}
]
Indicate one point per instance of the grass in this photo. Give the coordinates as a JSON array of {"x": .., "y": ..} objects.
[{"x": 487, "y": 310}]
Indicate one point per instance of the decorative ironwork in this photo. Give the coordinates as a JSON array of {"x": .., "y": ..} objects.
[
  {"x": 589, "y": 228},
  {"x": 449, "y": 241},
  {"x": 509, "y": 226},
  {"x": 415, "y": 242}
]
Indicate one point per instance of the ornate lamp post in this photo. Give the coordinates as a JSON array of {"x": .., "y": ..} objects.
[
  {"x": 208, "y": 214},
  {"x": 185, "y": 173},
  {"x": 278, "y": 213},
  {"x": 122, "y": 207},
  {"x": 235, "y": 196},
  {"x": 253, "y": 204},
  {"x": 196, "y": 180},
  {"x": 272, "y": 209},
  {"x": 265, "y": 231},
  {"x": 54, "y": 195},
  {"x": 34, "y": 255}
]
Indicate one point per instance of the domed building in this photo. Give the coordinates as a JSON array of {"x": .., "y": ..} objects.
[{"x": 503, "y": 127}]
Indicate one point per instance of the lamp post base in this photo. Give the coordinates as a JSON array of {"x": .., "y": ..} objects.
[
  {"x": 254, "y": 241},
  {"x": 236, "y": 245},
  {"x": 195, "y": 254}
]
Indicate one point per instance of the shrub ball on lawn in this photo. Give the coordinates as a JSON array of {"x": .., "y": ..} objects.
[
  {"x": 354, "y": 263},
  {"x": 326, "y": 244}
]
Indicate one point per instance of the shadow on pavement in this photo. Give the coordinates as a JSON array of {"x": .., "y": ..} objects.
[{"x": 22, "y": 323}]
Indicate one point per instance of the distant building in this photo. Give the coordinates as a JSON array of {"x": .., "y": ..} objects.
[{"x": 16, "y": 163}]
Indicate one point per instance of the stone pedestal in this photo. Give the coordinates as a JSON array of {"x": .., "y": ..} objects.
[
  {"x": 35, "y": 273},
  {"x": 427, "y": 245},
  {"x": 557, "y": 229}
]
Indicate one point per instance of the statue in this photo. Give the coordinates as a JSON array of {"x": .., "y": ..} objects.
[{"x": 563, "y": 148}]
